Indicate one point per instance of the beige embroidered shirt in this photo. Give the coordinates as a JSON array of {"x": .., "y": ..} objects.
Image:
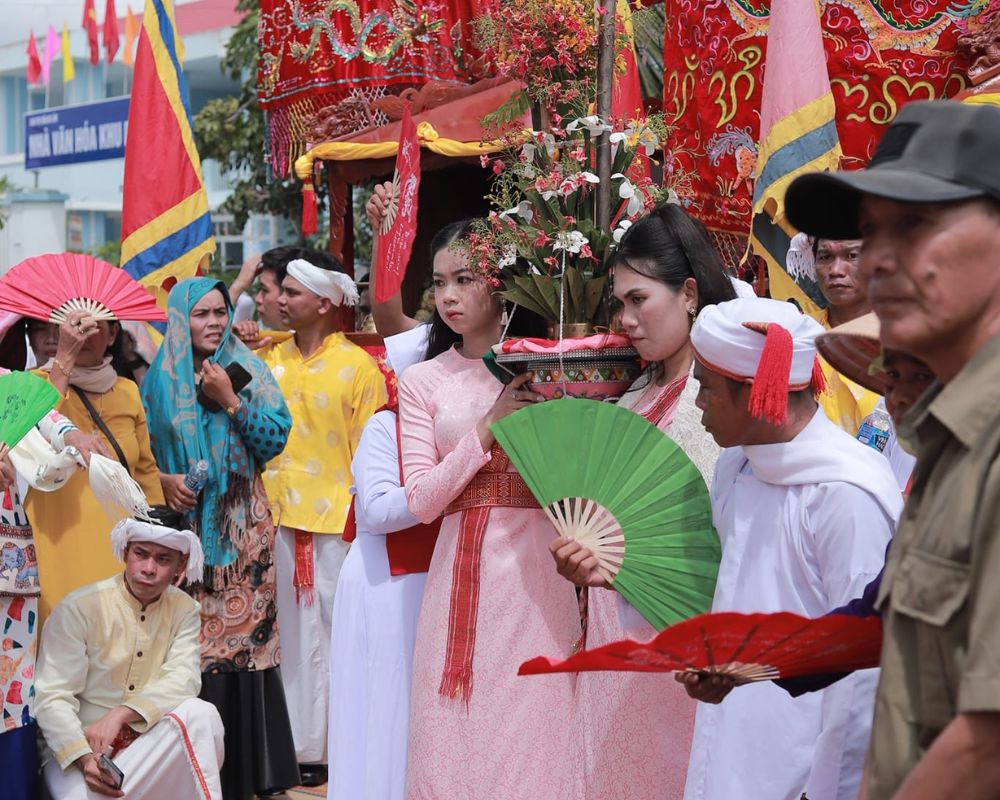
[{"x": 100, "y": 649}]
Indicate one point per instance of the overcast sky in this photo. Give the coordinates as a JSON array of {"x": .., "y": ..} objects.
[{"x": 21, "y": 16}]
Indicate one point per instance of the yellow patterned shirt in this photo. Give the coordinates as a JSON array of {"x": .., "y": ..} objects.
[
  {"x": 330, "y": 395},
  {"x": 844, "y": 402}
]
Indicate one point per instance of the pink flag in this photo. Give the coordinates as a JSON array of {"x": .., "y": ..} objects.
[{"x": 49, "y": 53}]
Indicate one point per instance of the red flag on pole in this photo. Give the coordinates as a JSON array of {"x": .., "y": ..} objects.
[
  {"x": 131, "y": 34},
  {"x": 34, "y": 63},
  {"x": 90, "y": 26},
  {"x": 400, "y": 225},
  {"x": 626, "y": 92},
  {"x": 110, "y": 30}
]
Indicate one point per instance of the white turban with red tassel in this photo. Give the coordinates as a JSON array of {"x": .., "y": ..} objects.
[{"x": 767, "y": 343}]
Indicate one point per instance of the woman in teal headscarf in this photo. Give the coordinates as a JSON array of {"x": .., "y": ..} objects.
[{"x": 236, "y": 433}]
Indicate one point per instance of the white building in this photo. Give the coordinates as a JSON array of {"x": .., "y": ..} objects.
[{"x": 82, "y": 202}]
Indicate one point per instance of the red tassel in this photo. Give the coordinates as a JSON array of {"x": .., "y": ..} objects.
[
  {"x": 309, "y": 214},
  {"x": 769, "y": 392},
  {"x": 818, "y": 380},
  {"x": 304, "y": 578}
]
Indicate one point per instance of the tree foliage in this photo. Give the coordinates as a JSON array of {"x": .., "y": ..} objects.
[{"x": 231, "y": 131}]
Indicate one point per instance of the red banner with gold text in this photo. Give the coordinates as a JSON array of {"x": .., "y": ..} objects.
[{"x": 880, "y": 53}]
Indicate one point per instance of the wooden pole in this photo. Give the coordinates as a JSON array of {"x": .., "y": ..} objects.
[{"x": 605, "y": 80}]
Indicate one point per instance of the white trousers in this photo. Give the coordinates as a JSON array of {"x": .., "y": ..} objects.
[
  {"x": 177, "y": 759},
  {"x": 305, "y": 640}
]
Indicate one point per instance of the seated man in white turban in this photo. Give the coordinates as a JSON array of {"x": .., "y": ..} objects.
[
  {"x": 804, "y": 512},
  {"x": 118, "y": 677}
]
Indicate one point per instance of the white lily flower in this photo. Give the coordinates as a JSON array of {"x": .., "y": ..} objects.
[
  {"x": 619, "y": 231},
  {"x": 592, "y": 123},
  {"x": 548, "y": 141},
  {"x": 628, "y": 191},
  {"x": 648, "y": 140},
  {"x": 509, "y": 257},
  {"x": 523, "y": 210},
  {"x": 617, "y": 139},
  {"x": 589, "y": 177},
  {"x": 570, "y": 241},
  {"x": 528, "y": 150},
  {"x": 673, "y": 198}
]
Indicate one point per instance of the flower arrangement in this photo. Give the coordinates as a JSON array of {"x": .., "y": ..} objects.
[
  {"x": 545, "y": 250},
  {"x": 542, "y": 247},
  {"x": 549, "y": 45}
]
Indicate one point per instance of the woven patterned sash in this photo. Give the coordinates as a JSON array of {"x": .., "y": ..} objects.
[
  {"x": 666, "y": 401},
  {"x": 492, "y": 487}
]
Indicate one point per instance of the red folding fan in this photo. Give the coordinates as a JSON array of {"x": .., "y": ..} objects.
[
  {"x": 748, "y": 647},
  {"x": 54, "y": 285}
]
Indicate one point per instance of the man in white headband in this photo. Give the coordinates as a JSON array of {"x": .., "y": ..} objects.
[
  {"x": 119, "y": 673},
  {"x": 804, "y": 512},
  {"x": 332, "y": 387}
]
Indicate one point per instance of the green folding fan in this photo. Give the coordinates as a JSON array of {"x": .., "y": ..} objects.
[
  {"x": 24, "y": 399},
  {"x": 618, "y": 485}
]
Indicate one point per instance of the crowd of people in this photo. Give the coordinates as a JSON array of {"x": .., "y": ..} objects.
[{"x": 350, "y": 594}]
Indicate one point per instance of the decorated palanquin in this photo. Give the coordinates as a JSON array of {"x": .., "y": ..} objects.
[
  {"x": 880, "y": 54},
  {"x": 323, "y": 63}
]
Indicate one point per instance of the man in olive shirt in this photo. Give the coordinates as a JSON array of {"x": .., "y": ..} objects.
[{"x": 928, "y": 208}]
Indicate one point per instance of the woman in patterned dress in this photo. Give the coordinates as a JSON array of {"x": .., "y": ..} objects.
[
  {"x": 19, "y": 620},
  {"x": 236, "y": 432}
]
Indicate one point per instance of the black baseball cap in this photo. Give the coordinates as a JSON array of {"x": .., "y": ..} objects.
[{"x": 936, "y": 151}]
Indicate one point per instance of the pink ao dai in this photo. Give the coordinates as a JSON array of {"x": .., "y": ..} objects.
[{"x": 514, "y": 739}]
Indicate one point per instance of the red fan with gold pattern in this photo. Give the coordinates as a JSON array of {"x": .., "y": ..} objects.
[
  {"x": 54, "y": 285},
  {"x": 748, "y": 647}
]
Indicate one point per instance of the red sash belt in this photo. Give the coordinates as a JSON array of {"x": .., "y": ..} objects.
[
  {"x": 491, "y": 487},
  {"x": 409, "y": 550}
]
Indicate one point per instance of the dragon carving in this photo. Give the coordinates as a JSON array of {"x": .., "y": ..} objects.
[{"x": 406, "y": 25}]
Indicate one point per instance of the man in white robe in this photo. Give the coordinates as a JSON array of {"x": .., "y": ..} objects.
[
  {"x": 804, "y": 512},
  {"x": 118, "y": 675}
]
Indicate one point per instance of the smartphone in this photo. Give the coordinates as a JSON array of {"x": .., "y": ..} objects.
[
  {"x": 110, "y": 768},
  {"x": 238, "y": 376}
]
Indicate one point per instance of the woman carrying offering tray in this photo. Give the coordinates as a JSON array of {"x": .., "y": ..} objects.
[
  {"x": 637, "y": 727},
  {"x": 491, "y": 598}
]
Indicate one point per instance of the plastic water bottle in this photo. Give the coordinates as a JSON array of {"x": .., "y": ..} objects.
[
  {"x": 875, "y": 430},
  {"x": 197, "y": 476}
]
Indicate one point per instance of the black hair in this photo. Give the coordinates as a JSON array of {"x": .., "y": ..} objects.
[
  {"x": 13, "y": 348},
  {"x": 124, "y": 366},
  {"x": 276, "y": 261},
  {"x": 442, "y": 338},
  {"x": 167, "y": 517},
  {"x": 670, "y": 246},
  {"x": 322, "y": 259}
]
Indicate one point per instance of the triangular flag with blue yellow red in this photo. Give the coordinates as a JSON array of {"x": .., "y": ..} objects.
[
  {"x": 798, "y": 133},
  {"x": 166, "y": 225}
]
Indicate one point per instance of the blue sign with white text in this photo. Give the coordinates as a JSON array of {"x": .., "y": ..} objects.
[{"x": 75, "y": 134}]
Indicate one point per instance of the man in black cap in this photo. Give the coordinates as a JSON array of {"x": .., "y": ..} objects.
[{"x": 928, "y": 208}]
